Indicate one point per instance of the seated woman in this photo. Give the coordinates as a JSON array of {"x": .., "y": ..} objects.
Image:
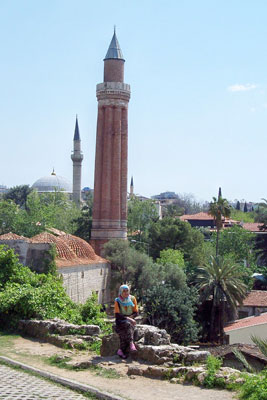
[{"x": 126, "y": 310}]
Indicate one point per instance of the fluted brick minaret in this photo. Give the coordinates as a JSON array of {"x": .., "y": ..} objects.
[
  {"x": 111, "y": 158},
  {"x": 77, "y": 158}
]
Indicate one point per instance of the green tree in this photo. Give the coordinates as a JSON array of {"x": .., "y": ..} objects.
[
  {"x": 18, "y": 194},
  {"x": 171, "y": 233},
  {"x": 171, "y": 256},
  {"x": 136, "y": 268},
  {"x": 140, "y": 216},
  {"x": 219, "y": 209},
  {"x": 84, "y": 221},
  {"x": 237, "y": 205},
  {"x": 8, "y": 216},
  {"x": 245, "y": 207},
  {"x": 241, "y": 216},
  {"x": 173, "y": 310},
  {"x": 173, "y": 210},
  {"x": 221, "y": 282},
  {"x": 128, "y": 265},
  {"x": 238, "y": 242},
  {"x": 261, "y": 213},
  {"x": 51, "y": 210}
]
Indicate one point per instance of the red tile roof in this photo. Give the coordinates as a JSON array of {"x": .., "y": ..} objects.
[
  {"x": 246, "y": 322},
  {"x": 71, "y": 250},
  {"x": 199, "y": 216},
  {"x": 252, "y": 226},
  {"x": 256, "y": 298},
  {"x": 12, "y": 236}
]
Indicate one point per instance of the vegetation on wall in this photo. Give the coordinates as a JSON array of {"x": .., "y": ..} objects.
[{"x": 25, "y": 294}]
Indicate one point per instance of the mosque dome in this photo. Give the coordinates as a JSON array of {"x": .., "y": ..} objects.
[{"x": 51, "y": 183}]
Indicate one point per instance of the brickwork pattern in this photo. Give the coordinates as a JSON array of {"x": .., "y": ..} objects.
[
  {"x": 111, "y": 160},
  {"x": 18, "y": 385}
]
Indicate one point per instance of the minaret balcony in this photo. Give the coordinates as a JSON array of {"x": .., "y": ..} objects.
[{"x": 76, "y": 157}]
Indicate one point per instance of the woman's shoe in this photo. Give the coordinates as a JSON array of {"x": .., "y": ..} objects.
[
  {"x": 121, "y": 354},
  {"x": 132, "y": 347}
]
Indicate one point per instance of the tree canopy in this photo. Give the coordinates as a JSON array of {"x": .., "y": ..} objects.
[
  {"x": 219, "y": 209},
  {"x": 221, "y": 282},
  {"x": 18, "y": 194},
  {"x": 140, "y": 216},
  {"x": 171, "y": 233},
  {"x": 40, "y": 212}
]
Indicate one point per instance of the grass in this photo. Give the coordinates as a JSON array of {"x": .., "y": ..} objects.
[
  {"x": 62, "y": 362},
  {"x": 6, "y": 342}
]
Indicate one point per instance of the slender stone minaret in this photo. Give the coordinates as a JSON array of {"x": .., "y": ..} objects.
[
  {"x": 131, "y": 188},
  {"x": 110, "y": 188},
  {"x": 77, "y": 158}
]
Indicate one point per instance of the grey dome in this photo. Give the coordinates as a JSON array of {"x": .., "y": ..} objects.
[{"x": 51, "y": 183}]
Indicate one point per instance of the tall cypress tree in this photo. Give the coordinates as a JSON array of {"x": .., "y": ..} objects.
[
  {"x": 237, "y": 205},
  {"x": 245, "y": 207}
]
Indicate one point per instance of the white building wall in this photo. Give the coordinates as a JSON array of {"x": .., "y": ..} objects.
[
  {"x": 81, "y": 280},
  {"x": 243, "y": 335}
]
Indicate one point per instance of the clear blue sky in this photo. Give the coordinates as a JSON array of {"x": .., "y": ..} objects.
[{"x": 197, "y": 70}]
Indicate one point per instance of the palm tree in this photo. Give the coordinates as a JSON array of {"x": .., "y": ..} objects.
[
  {"x": 221, "y": 283},
  {"x": 219, "y": 209},
  {"x": 261, "y": 343}
]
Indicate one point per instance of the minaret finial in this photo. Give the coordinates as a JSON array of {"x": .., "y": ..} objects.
[
  {"x": 53, "y": 172},
  {"x": 114, "y": 50},
  {"x": 76, "y": 131}
]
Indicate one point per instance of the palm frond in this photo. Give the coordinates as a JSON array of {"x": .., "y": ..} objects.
[
  {"x": 261, "y": 343},
  {"x": 240, "y": 356}
]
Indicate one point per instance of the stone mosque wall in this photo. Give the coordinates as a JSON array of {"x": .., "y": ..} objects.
[{"x": 82, "y": 271}]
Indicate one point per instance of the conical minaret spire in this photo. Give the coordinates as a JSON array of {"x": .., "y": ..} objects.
[
  {"x": 76, "y": 131},
  {"x": 114, "y": 50},
  {"x": 77, "y": 158},
  {"x": 114, "y": 62}
]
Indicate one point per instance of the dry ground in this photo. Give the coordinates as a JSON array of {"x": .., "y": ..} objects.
[{"x": 36, "y": 353}]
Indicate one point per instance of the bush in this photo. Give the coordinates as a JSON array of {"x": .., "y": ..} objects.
[
  {"x": 25, "y": 294},
  {"x": 213, "y": 365},
  {"x": 91, "y": 314},
  {"x": 173, "y": 310},
  {"x": 255, "y": 387}
]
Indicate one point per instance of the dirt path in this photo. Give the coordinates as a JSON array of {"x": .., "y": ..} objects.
[{"x": 34, "y": 353}]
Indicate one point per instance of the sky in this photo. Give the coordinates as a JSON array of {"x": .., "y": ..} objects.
[{"x": 198, "y": 108}]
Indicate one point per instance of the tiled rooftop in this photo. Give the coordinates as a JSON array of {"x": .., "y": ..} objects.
[
  {"x": 256, "y": 298},
  {"x": 252, "y": 226},
  {"x": 246, "y": 322},
  {"x": 200, "y": 216},
  {"x": 12, "y": 236}
]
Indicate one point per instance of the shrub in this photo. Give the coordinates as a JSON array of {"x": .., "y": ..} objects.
[
  {"x": 25, "y": 294},
  {"x": 213, "y": 365},
  {"x": 173, "y": 310},
  {"x": 255, "y": 387},
  {"x": 91, "y": 314}
]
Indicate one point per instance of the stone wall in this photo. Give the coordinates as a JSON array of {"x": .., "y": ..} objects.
[
  {"x": 35, "y": 255},
  {"x": 81, "y": 280},
  {"x": 249, "y": 311}
]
